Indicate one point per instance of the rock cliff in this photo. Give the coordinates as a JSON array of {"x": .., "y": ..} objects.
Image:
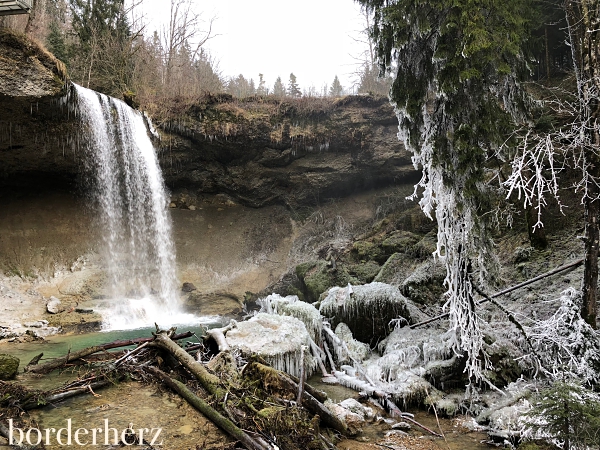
[{"x": 258, "y": 151}]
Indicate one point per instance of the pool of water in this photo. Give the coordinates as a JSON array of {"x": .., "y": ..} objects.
[{"x": 59, "y": 345}]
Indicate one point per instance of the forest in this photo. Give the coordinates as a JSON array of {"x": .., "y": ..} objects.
[{"x": 108, "y": 46}]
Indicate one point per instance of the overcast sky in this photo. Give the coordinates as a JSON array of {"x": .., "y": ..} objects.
[{"x": 314, "y": 39}]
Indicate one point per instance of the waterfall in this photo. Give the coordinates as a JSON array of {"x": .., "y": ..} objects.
[{"x": 129, "y": 194}]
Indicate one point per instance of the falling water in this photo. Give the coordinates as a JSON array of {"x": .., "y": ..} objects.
[{"x": 132, "y": 210}]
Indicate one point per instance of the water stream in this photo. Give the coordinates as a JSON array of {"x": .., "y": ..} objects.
[{"x": 129, "y": 193}]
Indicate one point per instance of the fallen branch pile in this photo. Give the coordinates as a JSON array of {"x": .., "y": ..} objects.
[{"x": 251, "y": 402}]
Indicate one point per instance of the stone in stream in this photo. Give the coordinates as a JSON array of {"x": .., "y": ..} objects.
[
  {"x": 54, "y": 306},
  {"x": 9, "y": 365}
]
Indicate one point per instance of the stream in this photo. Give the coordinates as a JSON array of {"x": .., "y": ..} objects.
[{"x": 137, "y": 403}]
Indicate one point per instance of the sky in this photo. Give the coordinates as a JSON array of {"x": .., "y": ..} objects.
[{"x": 314, "y": 39}]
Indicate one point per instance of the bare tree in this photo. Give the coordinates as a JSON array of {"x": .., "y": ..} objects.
[
  {"x": 183, "y": 29},
  {"x": 538, "y": 163}
]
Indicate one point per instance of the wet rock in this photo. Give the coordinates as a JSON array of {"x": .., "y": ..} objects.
[
  {"x": 367, "y": 310},
  {"x": 404, "y": 426},
  {"x": 54, "y": 306},
  {"x": 9, "y": 366},
  {"x": 277, "y": 339},
  {"x": 353, "y": 420},
  {"x": 188, "y": 287}
]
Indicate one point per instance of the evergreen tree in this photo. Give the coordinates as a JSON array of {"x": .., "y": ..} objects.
[
  {"x": 336, "y": 89},
  {"x": 293, "y": 88},
  {"x": 278, "y": 88},
  {"x": 569, "y": 413},
  {"x": 102, "y": 55},
  {"x": 457, "y": 95},
  {"x": 261, "y": 90},
  {"x": 57, "y": 43}
]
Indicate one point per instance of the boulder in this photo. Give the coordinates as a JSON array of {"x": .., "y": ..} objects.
[
  {"x": 369, "y": 310},
  {"x": 9, "y": 365},
  {"x": 188, "y": 287},
  {"x": 276, "y": 339},
  {"x": 54, "y": 306},
  {"x": 317, "y": 277}
]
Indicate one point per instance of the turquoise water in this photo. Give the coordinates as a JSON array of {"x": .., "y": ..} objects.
[{"x": 59, "y": 345}]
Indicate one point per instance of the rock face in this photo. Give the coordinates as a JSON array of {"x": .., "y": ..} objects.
[
  {"x": 257, "y": 151},
  {"x": 295, "y": 151},
  {"x": 9, "y": 365},
  {"x": 34, "y": 127}
]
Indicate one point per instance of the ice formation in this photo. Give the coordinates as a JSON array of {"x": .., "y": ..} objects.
[
  {"x": 292, "y": 306},
  {"x": 367, "y": 309},
  {"x": 278, "y": 339}
]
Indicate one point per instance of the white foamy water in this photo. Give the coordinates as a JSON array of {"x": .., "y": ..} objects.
[{"x": 131, "y": 200}]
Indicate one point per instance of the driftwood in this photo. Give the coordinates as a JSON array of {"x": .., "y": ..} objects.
[
  {"x": 49, "y": 399},
  {"x": 218, "y": 335},
  {"x": 210, "y": 413},
  {"x": 57, "y": 363},
  {"x": 308, "y": 401},
  {"x": 209, "y": 381}
]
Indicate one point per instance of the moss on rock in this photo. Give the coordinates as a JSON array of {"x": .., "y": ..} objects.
[
  {"x": 368, "y": 251},
  {"x": 364, "y": 272},
  {"x": 400, "y": 241},
  {"x": 318, "y": 278},
  {"x": 9, "y": 366}
]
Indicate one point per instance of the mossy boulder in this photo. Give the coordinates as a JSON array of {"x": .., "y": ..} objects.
[
  {"x": 396, "y": 269},
  {"x": 368, "y": 310},
  {"x": 9, "y": 366},
  {"x": 368, "y": 251},
  {"x": 318, "y": 277},
  {"x": 400, "y": 242},
  {"x": 364, "y": 272}
]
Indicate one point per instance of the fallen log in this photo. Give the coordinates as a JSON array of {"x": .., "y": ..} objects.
[
  {"x": 571, "y": 266},
  {"x": 308, "y": 401},
  {"x": 218, "y": 335},
  {"x": 214, "y": 416},
  {"x": 209, "y": 381},
  {"x": 44, "y": 401},
  {"x": 72, "y": 356}
]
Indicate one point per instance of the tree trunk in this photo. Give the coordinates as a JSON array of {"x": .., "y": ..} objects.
[
  {"x": 209, "y": 381},
  {"x": 57, "y": 363},
  {"x": 590, "y": 272},
  {"x": 583, "y": 20},
  {"x": 209, "y": 412}
]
